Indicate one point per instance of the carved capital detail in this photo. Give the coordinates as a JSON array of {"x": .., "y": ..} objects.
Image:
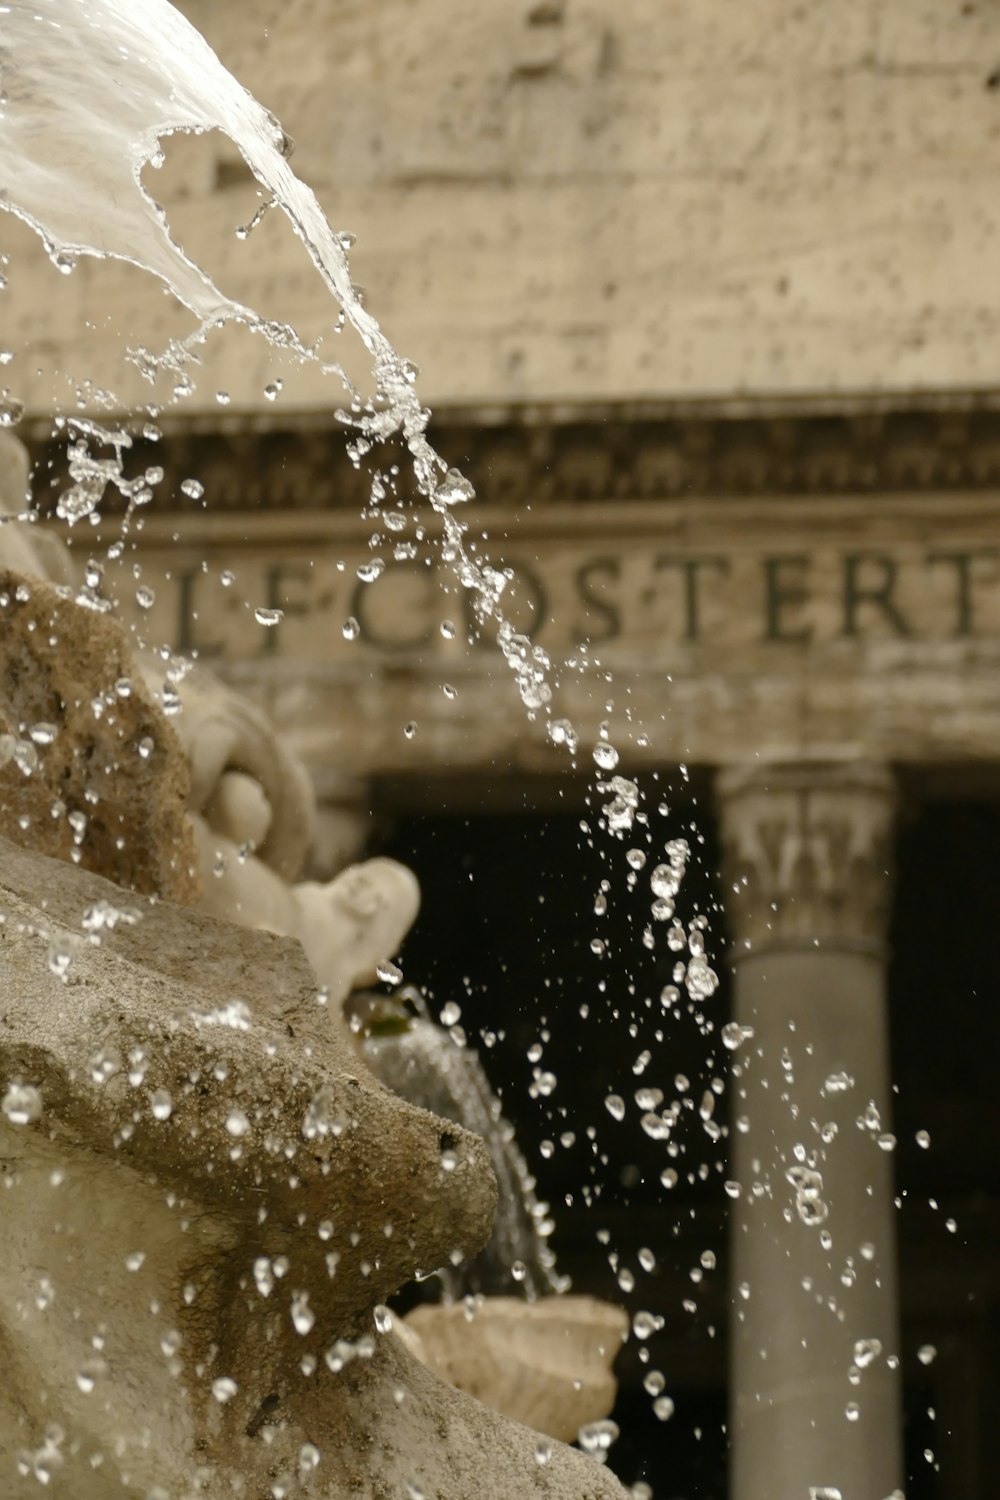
[{"x": 807, "y": 854}]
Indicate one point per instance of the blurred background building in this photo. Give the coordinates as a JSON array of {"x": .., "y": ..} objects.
[{"x": 705, "y": 298}]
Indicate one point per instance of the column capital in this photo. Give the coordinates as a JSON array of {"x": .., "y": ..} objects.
[{"x": 807, "y": 853}]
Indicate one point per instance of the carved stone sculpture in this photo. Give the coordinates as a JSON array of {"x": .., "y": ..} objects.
[
  {"x": 206, "y": 1200},
  {"x": 208, "y": 1195}
]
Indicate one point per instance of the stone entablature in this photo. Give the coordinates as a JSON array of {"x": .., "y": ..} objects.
[
  {"x": 858, "y": 614},
  {"x": 783, "y": 627}
]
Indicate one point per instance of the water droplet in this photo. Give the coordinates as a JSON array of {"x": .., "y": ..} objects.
[
  {"x": 370, "y": 572},
  {"x": 923, "y": 1139},
  {"x": 11, "y": 410},
  {"x": 852, "y": 1411},
  {"x": 663, "y": 1407},
  {"x": 615, "y": 1106},
  {"x": 645, "y": 1324},
  {"x": 648, "y": 1098},
  {"x": 309, "y": 1457},
  {"x": 450, "y": 1013},
  {"x": 303, "y": 1317},
  {"x": 927, "y": 1354},
  {"x": 89, "y": 1373},
  {"x": 161, "y": 1104},
  {"x": 192, "y": 488},
  {"x": 237, "y": 1123},
  {"x": 701, "y": 980},
  {"x": 734, "y": 1035},
  {"x": 561, "y": 732},
  {"x": 351, "y": 629},
  {"x": 320, "y": 1118},
  {"x": 453, "y": 489},
  {"x": 383, "y": 1319},
  {"x": 865, "y": 1351},
  {"x": 61, "y": 954},
  {"x": 605, "y": 756},
  {"x": 596, "y": 1437},
  {"x": 134, "y": 1260},
  {"x": 268, "y": 617},
  {"x": 224, "y": 1389},
  {"x": 22, "y": 1104}
]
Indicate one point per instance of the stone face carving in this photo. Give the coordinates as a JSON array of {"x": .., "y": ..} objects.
[
  {"x": 214, "y": 1193},
  {"x": 807, "y": 850}
]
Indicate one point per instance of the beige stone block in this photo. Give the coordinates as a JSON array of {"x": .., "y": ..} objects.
[{"x": 670, "y": 201}]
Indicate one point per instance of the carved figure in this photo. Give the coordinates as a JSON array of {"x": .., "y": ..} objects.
[{"x": 209, "y": 1195}]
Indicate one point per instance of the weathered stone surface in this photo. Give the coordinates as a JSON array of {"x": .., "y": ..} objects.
[
  {"x": 90, "y": 768},
  {"x": 201, "y": 1132},
  {"x": 317, "y": 1123},
  {"x": 545, "y": 1363}
]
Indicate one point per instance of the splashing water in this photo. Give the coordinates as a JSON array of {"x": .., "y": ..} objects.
[{"x": 90, "y": 89}]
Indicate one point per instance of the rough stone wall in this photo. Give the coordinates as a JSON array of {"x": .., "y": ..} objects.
[{"x": 565, "y": 200}]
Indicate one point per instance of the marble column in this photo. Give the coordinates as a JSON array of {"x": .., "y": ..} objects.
[{"x": 815, "y": 1390}]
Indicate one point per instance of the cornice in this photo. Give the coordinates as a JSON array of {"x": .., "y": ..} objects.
[{"x": 292, "y": 462}]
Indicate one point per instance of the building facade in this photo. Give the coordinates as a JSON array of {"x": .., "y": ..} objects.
[{"x": 704, "y": 301}]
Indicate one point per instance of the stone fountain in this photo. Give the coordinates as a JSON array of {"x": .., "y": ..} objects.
[{"x": 209, "y": 1194}]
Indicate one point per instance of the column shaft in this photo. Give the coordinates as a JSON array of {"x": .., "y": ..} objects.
[{"x": 815, "y": 1406}]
